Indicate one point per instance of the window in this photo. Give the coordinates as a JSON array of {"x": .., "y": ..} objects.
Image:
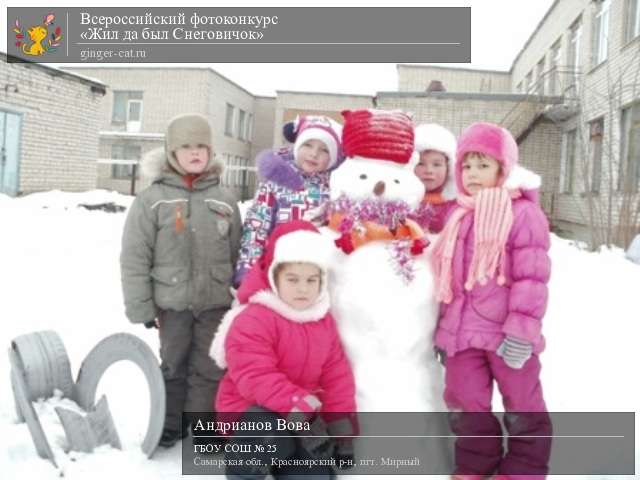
[
  {"x": 554, "y": 65},
  {"x": 574, "y": 51},
  {"x": 629, "y": 174},
  {"x": 540, "y": 80},
  {"x": 528, "y": 82},
  {"x": 601, "y": 32},
  {"x": 249, "y": 130},
  {"x": 568, "y": 162},
  {"x": 244, "y": 180},
  {"x": 124, "y": 170},
  {"x": 237, "y": 171},
  {"x": 241, "y": 118},
  {"x": 632, "y": 29},
  {"x": 596, "y": 133},
  {"x": 127, "y": 106},
  {"x": 228, "y": 169},
  {"x": 228, "y": 120}
]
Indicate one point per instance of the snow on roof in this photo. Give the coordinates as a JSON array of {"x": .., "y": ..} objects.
[
  {"x": 57, "y": 71},
  {"x": 142, "y": 135}
]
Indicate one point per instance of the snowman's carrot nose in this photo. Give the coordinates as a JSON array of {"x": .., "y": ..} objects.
[{"x": 378, "y": 189}]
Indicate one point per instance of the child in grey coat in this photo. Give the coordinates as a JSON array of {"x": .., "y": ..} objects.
[{"x": 180, "y": 242}]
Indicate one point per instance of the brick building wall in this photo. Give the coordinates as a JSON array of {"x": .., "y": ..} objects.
[
  {"x": 539, "y": 150},
  {"x": 290, "y": 104},
  {"x": 605, "y": 88},
  {"x": 416, "y": 78},
  {"x": 264, "y": 112},
  {"x": 59, "y": 127},
  {"x": 553, "y": 28},
  {"x": 167, "y": 92},
  {"x": 264, "y": 109}
]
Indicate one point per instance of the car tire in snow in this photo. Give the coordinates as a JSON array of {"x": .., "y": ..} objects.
[
  {"x": 86, "y": 432},
  {"x": 21, "y": 393},
  {"x": 117, "y": 347},
  {"x": 45, "y": 363},
  {"x": 14, "y": 387}
]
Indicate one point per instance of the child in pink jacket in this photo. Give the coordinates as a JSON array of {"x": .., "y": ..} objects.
[
  {"x": 492, "y": 269},
  {"x": 436, "y": 147},
  {"x": 282, "y": 351}
]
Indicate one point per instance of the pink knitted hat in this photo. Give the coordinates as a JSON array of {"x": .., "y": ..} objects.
[
  {"x": 491, "y": 140},
  {"x": 325, "y": 129}
]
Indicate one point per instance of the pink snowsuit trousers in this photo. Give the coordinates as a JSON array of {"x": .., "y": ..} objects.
[{"x": 468, "y": 391}]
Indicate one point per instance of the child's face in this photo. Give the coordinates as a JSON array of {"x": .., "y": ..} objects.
[
  {"x": 313, "y": 156},
  {"x": 192, "y": 158},
  {"x": 478, "y": 172},
  {"x": 299, "y": 284},
  {"x": 431, "y": 169}
]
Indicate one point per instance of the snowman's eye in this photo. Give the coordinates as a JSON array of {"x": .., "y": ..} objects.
[
  {"x": 363, "y": 177},
  {"x": 397, "y": 181}
]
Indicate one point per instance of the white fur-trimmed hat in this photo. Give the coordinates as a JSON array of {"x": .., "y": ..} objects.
[
  {"x": 431, "y": 136},
  {"x": 296, "y": 241}
]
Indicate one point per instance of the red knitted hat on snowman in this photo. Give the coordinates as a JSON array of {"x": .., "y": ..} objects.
[{"x": 378, "y": 134}]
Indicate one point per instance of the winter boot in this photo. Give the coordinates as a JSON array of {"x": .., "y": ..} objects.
[
  {"x": 170, "y": 437},
  {"x": 198, "y": 439}
]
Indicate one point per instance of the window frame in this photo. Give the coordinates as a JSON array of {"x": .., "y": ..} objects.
[
  {"x": 242, "y": 118},
  {"x": 126, "y": 96},
  {"x": 595, "y": 183},
  {"x": 555, "y": 60},
  {"x": 632, "y": 25},
  {"x": 573, "y": 52},
  {"x": 601, "y": 20},
  {"x": 540, "y": 80},
  {"x": 125, "y": 154},
  {"x": 229, "y": 116},
  {"x": 567, "y": 173},
  {"x": 628, "y": 127}
]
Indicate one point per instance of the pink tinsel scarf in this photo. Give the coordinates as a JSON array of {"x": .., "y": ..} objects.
[{"x": 492, "y": 221}]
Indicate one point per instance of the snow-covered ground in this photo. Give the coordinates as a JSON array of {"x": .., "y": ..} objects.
[{"x": 60, "y": 272}]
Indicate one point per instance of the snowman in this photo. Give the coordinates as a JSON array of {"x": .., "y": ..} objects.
[{"x": 381, "y": 283}]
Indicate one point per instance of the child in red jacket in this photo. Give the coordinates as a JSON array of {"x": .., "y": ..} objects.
[{"x": 283, "y": 353}]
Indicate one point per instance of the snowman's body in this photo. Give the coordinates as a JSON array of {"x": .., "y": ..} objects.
[
  {"x": 386, "y": 322},
  {"x": 387, "y": 326}
]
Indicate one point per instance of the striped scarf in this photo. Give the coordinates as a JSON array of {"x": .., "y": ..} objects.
[{"x": 492, "y": 221}]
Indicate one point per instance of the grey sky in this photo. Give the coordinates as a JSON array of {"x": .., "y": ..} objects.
[{"x": 499, "y": 29}]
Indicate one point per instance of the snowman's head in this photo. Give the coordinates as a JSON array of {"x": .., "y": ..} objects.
[{"x": 361, "y": 178}]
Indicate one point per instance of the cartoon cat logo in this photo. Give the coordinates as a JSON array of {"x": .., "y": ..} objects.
[{"x": 38, "y": 34}]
